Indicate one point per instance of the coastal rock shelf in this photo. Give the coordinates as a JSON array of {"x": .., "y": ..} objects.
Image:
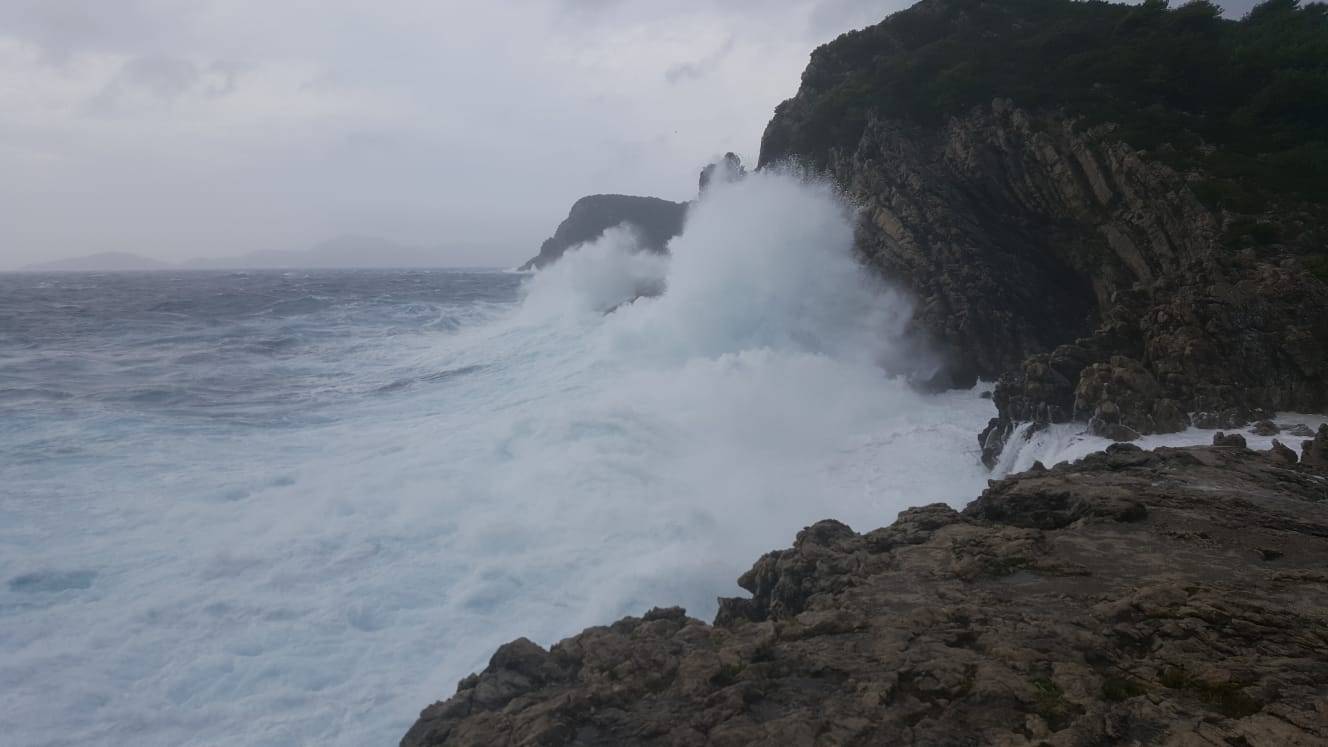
[{"x": 1178, "y": 596}]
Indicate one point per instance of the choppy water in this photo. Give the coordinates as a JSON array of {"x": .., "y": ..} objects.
[
  {"x": 257, "y": 349},
  {"x": 295, "y": 508}
]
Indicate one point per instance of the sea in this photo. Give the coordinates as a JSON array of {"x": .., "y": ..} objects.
[{"x": 296, "y": 507}]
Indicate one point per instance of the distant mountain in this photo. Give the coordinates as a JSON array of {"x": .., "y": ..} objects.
[
  {"x": 345, "y": 252},
  {"x": 103, "y": 262},
  {"x": 656, "y": 220}
]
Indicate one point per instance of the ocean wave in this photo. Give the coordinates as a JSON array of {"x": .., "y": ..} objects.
[{"x": 303, "y": 548}]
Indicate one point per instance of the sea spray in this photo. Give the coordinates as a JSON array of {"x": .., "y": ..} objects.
[
  {"x": 682, "y": 434},
  {"x": 1066, "y": 442},
  {"x": 632, "y": 435},
  {"x": 766, "y": 263},
  {"x": 342, "y": 507},
  {"x": 595, "y": 278}
]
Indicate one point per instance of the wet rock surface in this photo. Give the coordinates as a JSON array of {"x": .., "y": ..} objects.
[{"x": 1172, "y": 597}]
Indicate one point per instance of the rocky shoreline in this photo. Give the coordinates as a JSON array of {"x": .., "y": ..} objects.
[
  {"x": 1130, "y": 251},
  {"x": 1178, "y": 596}
]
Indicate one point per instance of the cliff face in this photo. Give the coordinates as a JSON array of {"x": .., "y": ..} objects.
[
  {"x": 655, "y": 220},
  {"x": 1124, "y": 286},
  {"x": 1173, "y": 597},
  {"x": 1088, "y": 276}
]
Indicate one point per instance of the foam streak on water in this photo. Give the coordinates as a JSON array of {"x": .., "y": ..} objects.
[
  {"x": 278, "y": 511},
  {"x": 1067, "y": 442}
]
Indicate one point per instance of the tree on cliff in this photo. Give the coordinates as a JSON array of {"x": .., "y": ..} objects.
[{"x": 1177, "y": 80}]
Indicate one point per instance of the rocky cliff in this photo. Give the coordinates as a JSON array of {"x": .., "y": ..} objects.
[
  {"x": 655, "y": 221},
  {"x": 1170, "y": 597},
  {"x": 1092, "y": 280},
  {"x": 1114, "y": 241}
]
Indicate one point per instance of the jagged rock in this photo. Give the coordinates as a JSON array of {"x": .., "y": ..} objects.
[
  {"x": 1233, "y": 417},
  {"x": 1168, "y": 417},
  {"x": 783, "y": 581},
  {"x": 1281, "y": 454},
  {"x": 1114, "y": 431},
  {"x": 727, "y": 169},
  {"x": 656, "y": 221},
  {"x": 1299, "y": 429},
  {"x": 1121, "y": 391},
  {"x": 1166, "y": 597},
  {"x": 1120, "y": 400},
  {"x": 1043, "y": 392},
  {"x": 1265, "y": 428},
  {"x": 992, "y": 440},
  {"x": 1233, "y": 440},
  {"x": 1315, "y": 452}
]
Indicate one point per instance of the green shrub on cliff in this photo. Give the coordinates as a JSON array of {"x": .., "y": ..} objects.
[{"x": 1255, "y": 90}]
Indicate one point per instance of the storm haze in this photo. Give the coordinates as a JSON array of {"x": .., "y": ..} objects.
[{"x": 182, "y": 130}]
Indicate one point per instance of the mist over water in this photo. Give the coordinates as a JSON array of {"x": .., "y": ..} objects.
[{"x": 348, "y": 496}]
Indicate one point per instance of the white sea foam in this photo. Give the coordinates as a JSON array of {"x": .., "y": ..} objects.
[
  {"x": 320, "y": 583},
  {"x": 1067, "y": 442},
  {"x": 595, "y": 278}
]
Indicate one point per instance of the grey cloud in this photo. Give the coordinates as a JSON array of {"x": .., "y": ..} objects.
[
  {"x": 62, "y": 28},
  {"x": 162, "y": 78},
  {"x": 702, "y": 67},
  {"x": 421, "y": 121},
  {"x": 837, "y": 16},
  {"x": 223, "y": 78},
  {"x": 1237, "y": 8},
  {"x": 165, "y": 77},
  {"x": 324, "y": 81},
  {"x": 588, "y": 6}
]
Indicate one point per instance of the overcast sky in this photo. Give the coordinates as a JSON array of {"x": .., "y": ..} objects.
[{"x": 187, "y": 128}]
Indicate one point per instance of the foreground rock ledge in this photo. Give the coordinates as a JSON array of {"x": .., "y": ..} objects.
[{"x": 1174, "y": 597}]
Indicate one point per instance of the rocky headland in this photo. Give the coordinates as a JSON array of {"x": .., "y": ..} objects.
[
  {"x": 1117, "y": 211},
  {"x": 655, "y": 221}
]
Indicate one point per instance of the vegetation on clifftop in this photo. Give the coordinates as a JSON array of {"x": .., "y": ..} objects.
[{"x": 1246, "y": 100}]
